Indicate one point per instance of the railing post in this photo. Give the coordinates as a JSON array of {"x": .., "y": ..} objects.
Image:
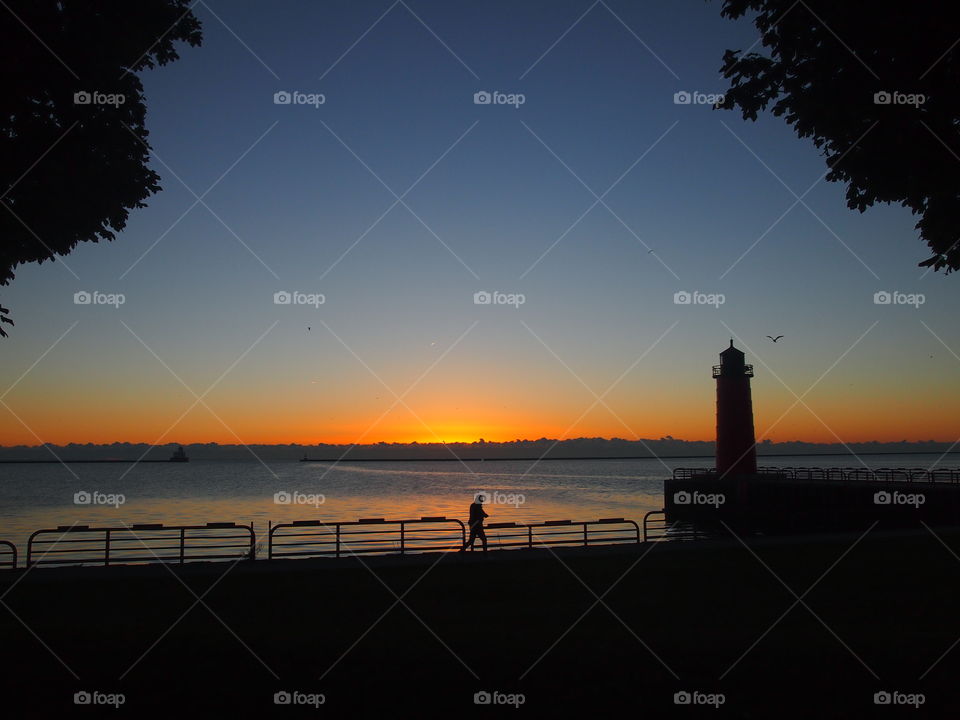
[
  {"x": 403, "y": 527},
  {"x": 585, "y": 543},
  {"x": 269, "y": 539},
  {"x": 529, "y": 537},
  {"x": 106, "y": 548},
  {"x": 338, "y": 539},
  {"x": 183, "y": 540}
]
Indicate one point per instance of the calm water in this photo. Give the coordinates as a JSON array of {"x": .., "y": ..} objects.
[{"x": 42, "y": 496}]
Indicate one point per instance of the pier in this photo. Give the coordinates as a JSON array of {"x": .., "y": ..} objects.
[{"x": 738, "y": 495}]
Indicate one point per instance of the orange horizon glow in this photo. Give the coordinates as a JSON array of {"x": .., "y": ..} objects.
[
  {"x": 497, "y": 407},
  {"x": 810, "y": 432}
]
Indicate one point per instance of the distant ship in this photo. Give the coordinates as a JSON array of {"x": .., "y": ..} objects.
[{"x": 179, "y": 455}]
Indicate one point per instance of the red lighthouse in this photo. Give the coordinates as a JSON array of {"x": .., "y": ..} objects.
[{"x": 736, "y": 443}]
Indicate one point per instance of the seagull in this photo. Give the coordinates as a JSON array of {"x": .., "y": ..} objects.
[{"x": 775, "y": 338}]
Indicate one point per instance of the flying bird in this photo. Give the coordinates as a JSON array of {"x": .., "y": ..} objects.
[{"x": 775, "y": 338}]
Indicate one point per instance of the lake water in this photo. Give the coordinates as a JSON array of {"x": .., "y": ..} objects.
[{"x": 39, "y": 496}]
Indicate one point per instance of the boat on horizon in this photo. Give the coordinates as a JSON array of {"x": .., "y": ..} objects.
[{"x": 179, "y": 455}]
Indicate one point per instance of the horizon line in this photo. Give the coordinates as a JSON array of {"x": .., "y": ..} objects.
[{"x": 479, "y": 441}]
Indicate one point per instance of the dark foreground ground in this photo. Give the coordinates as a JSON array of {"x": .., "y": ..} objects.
[{"x": 705, "y": 617}]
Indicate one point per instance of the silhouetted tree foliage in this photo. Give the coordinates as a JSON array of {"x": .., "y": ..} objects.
[
  {"x": 72, "y": 171},
  {"x": 824, "y": 67}
]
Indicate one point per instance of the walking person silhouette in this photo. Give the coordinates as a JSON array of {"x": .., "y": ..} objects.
[{"x": 477, "y": 515}]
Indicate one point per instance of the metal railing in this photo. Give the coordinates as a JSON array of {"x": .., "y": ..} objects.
[
  {"x": 654, "y": 521},
  {"x": 941, "y": 475},
  {"x": 656, "y": 529},
  {"x": 564, "y": 532},
  {"x": 687, "y": 473},
  {"x": 8, "y": 555},
  {"x": 145, "y": 543},
  {"x": 718, "y": 370},
  {"x": 140, "y": 543},
  {"x": 315, "y": 538}
]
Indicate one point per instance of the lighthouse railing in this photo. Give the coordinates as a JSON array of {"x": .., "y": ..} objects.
[
  {"x": 718, "y": 370},
  {"x": 688, "y": 473},
  {"x": 903, "y": 475}
]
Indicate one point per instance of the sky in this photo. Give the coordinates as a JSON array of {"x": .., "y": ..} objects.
[{"x": 583, "y": 211}]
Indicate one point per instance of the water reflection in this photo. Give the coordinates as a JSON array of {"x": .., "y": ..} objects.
[{"x": 43, "y": 496}]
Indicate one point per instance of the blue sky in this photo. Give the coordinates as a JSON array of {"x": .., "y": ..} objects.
[{"x": 702, "y": 209}]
